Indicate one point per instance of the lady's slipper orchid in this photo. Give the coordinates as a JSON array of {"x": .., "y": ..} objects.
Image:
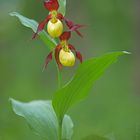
[
  {"x": 54, "y": 20},
  {"x": 64, "y": 52}
]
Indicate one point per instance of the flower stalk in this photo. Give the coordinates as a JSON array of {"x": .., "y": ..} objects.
[{"x": 59, "y": 77}]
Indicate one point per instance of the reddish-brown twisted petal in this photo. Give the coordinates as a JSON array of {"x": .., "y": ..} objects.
[
  {"x": 71, "y": 47},
  {"x": 69, "y": 23},
  {"x": 78, "y": 33},
  {"x": 57, "y": 50},
  {"x": 47, "y": 60},
  {"x": 41, "y": 26},
  {"x": 78, "y": 54},
  {"x": 51, "y": 4},
  {"x": 60, "y": 16},
  {"x": 73, "y": 27},
  {"x": 65, "y": 35},
  {"x": 76, "y": 27}
]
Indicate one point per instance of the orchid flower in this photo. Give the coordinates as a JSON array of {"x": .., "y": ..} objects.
[
  {"x": 55, "y": 20},
  {"x": 63, "y": 52}
]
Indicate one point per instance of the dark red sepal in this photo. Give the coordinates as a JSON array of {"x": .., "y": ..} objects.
[
  {"x": 60, "y": 16},
  {"x": 57, "y": 50},
  {"x": 69, "y": 23},
  {"x": 78, "y": 33},
  {"x": 47, "y": 60},
  {"x": 65, "y": 35},
  {"x": 76, "y": 27},
  {"x": 78, "y": 54},
  {"x": 41, "y": 26},
  {"x": 51, "y": 4},
  {"x": 73, "y": 27}
]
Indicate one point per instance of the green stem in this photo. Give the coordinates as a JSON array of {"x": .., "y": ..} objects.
[
  {"x": 60, "y": 130},
  {"x": 59, "y": 86},
  {"x": 59, "y": 78}
]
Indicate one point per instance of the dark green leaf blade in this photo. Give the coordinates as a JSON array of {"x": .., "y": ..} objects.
[
  {"x": 62, "y": 7},
  {"x": 30, "y": 23},
  {"x": 86, "y": 75},
  {"x": 40, "y": 116}
]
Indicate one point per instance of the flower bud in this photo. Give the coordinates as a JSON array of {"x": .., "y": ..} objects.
[
  {"x": 66, "y": 58},
  {"x": 55, "y": 29}
]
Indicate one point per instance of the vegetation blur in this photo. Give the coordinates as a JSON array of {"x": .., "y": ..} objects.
[{"x": 113, "y": 107}]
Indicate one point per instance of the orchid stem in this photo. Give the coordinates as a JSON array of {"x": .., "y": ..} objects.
[
  {"x": 59, "y": 86},
  {"x": 59, "y": 78},
  {"x": 60, "y": 130}
]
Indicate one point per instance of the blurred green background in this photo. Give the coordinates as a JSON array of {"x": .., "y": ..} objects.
[{"x": 113, "y": 107}]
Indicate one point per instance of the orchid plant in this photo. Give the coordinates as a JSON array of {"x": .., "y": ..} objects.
[{"x": 49, "y": 118}]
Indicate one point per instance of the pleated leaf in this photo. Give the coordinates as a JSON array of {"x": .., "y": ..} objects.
[
  {"x": 32, "y": 24},
  {"x": 40, "y": 116},
  {"x": 42, "y": 119},
  {"x": 86, "y": 76}
]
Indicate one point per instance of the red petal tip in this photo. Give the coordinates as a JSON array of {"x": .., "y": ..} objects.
[
  {"x": 78, "y": 33},
  {"x": 79, "y": 56},
  {"x": 51, "y": 4},
  {"x": 47, "y": 60},
  {"x": 34, "y": 35}
]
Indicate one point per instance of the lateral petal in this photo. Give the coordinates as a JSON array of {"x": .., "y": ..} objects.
[
  {"x": 60, "y": 16},
  {"x": 78, "y": 54},
  {"x": 47, "y": 60},
  {"x": 57, "y": 50},
  {"x": 41, "y": 26},
  {"x": 73, "y": 27}
]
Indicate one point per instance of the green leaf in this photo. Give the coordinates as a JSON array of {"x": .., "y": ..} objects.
[
  {"x": 40, "y": 117},
  {"x": 78, "y": 89},
  {"x": 67, "y": 128},
  {"x": 95, "y": 137},
  {"x": 30, "y": 23},
  {"x": 62, "y": 7}
]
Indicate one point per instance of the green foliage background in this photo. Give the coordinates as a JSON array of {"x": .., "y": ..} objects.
[{"x": 113, "y": 106}]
